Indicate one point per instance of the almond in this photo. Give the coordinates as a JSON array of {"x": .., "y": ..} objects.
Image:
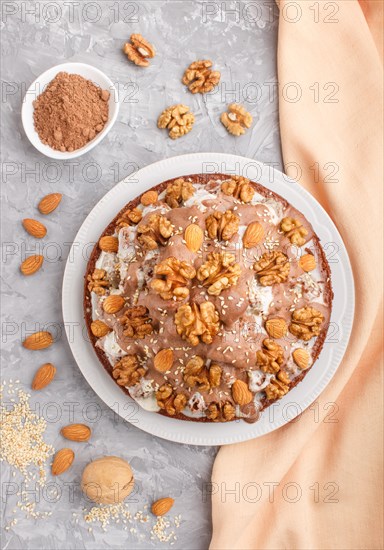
[
  {"x": 31, "y": 265},
  {"x": 44, "y": 376},
  {"x": 163, "y": 360},
  {"x": 38, "y": 340},
  {"x": 62, "y": 461},
  {"x": 76, "y": 432},
  {"x": 253, "y": 235},
  {"x": 162, "y": 506},
  {"x": 194, "y": 237},
  {"x": 113, "y": 303},
  {"x": 276, "y": 328},
  {"x": 109, "y": 244},
  {"x": 49, "y": 203},
  {"x": 34, "y": 228},
  {"x": 307, "y": 262},
  {"x": 150, "y": 197},
  {"x": 99, "y": 329},
  {"x": 241, "y": 393},
  {"x": 301, "y": 358}
]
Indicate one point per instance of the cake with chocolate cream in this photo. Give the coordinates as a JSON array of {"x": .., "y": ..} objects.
[{"x": 208, "y": 298}]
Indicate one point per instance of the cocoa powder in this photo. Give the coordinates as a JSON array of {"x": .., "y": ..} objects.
[{"x": 70, "y": 112}]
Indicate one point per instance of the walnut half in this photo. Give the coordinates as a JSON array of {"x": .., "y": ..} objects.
[
  {"x": 273, "y": 267},
  {"x": 306, "y": 323},
  {"x": 221, "y": 412},
  {"x": 139, "y": 50},
  {"x": 137, "y": 323},
  {"x": 197, "y": 374},
  {"x": 278, "y": 387},
  {"x": 239, "y": 187},
  {"x": 219, "y": 272},
  {"x": 129, "y": 217},
  {"x": 172, "y": 278},
  {"x": 177, "y": 119},
  {"x": 237, "y": 120},
  {"x": 270, "y": 357},
  {"x": 222, "y": 225},
  {"x": 200, "y": 78},
  {"x": 156, "y": 231},
  {"x": 127, "y": 371},
  {"x": 178, "y": 192},
  {"x": 170, "y": 401},
  {"x": 196, "y": 323},
  {"x": 98, "y": 282},
  {"x": 294, "y": 230}
]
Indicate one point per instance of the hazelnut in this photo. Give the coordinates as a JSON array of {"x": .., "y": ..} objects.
[{"x": 107, "y": 480}]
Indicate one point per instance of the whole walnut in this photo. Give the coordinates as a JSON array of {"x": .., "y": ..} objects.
[{"x": 107, "y": 480}]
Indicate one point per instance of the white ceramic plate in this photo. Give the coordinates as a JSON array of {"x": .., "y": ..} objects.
[
  {"x": 37, "y": 87},
  {"x": 296, "y": 400}
]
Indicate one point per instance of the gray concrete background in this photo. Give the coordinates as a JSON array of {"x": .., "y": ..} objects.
[{"x": 240, "y": 37}]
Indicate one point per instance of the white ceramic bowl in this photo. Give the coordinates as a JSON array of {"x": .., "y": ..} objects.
[{"x": 37, "y": 87}]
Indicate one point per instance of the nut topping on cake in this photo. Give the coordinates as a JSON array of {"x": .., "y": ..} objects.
[
  {"x": 200, "y": 262},
  {"x": 240, "y": 393},
  {"x": 172, "y": 278},
  {"x": 137, "y": 323},
  {"x": 301, "y": 358},
  {"x": 222, "y": 225},
  {"x": 127, "y": 371},
  {"x": 156, "y": 231},
  {"x": 306, "y": 323},
  {"x": 219, "y": 272},
  {"x": 129, "y": 217},
  {"x": 150, "y": 197},
  {"x": 238, "y": 187},
  {"x": 169, "y": 400},
  {"x": 194, "y": 237},
  {"x": 178, "y": 192},
  {"x": 273, "y": 267},
  {"x": 196, "y": 323},
  {"x": 278, "y": 387},
  {"x": 98, "y": 282},
  {"x": 99, "y": 329},
  {"x": 294, "y": 230},
  {"x": 163, "y": 360},
  {"x": 253, "y": 235},
  {"x": 196, "y": 374},
  {"x": 113, "y": 303},
  {"x": 276, "y": 328},
  {"x": 270, "y": 357},
  {"x": 109, "y": 244},
  {"x": 223, "y": 412},
  {"x": 307, "y": 262}
]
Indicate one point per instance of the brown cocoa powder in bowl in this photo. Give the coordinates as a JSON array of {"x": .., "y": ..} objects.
[{"x": 70, "y": 112}]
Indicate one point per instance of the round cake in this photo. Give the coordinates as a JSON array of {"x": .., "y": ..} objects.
[{"x": 208, "y": 298}]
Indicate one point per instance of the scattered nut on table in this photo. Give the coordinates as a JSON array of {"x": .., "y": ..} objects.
[
  {"x": 237, "y": 119},
  {"x": 177, "y": 119},
  {"x": 139, "y": 50},
  {"x": 200, "y": 78}
]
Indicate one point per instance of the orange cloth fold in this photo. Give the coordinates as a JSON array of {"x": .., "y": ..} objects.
[{"x": 317, "y": 482}]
